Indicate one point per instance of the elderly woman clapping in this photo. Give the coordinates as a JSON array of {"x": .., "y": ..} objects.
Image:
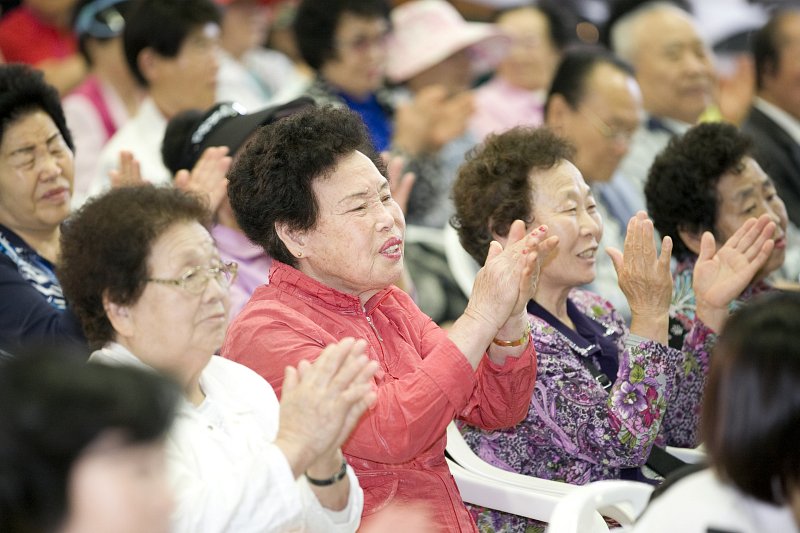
[
  {"x": 150, "y": 289},
  {"x": 36, "y": 176},
  {"x": 603, "y": 391},
  {"x": 309, "y": 189},
  {"x": 707, "y": 181}
]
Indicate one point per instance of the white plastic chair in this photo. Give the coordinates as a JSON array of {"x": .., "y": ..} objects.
[
  {"x": 462, "y": 265},
  {"x": 578, "y": 512},
  {"x": 542, "y": 494},
  {"x": 689, "y": 455},
  {"x": 486, "y": 492}
]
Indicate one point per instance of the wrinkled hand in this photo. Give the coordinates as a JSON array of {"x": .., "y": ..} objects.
[
  {"x": 721, "y": 275},
  {"x": 451, "y": 119},
  {"x": 431, "y": 120},
  {"x": 400, "y": 183},
  {"x": 207, "y": 178},
  {"x": 644, "y": 277},
  {"x": 129, "y": 173},
  {"x": 508, "y": 278},
  {"x": 322, "y": 402}
]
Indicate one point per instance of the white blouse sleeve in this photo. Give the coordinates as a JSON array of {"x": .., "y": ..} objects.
[{"x": 228, "y": 476}]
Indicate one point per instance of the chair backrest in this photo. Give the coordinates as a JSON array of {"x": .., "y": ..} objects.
[
  {"x": 578, "y": 512},
  {"x": 462, "y": 265},
  {"x": 544, "y": 493}
]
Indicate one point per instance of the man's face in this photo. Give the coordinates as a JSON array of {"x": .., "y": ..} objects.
[
  {"x": 781, "y": 85},
  {"x": 603, "y": 122},
  {"x": 673, "y": 66}
]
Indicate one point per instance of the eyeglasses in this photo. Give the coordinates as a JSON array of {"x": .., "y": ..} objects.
[
  {"x": 195, "y": 280},
  {"x": 364, "y": 43},
  {"x": 618, "y": 136}
]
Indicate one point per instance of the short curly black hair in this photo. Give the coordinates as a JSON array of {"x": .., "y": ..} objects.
[
  {"x": 315, "y": 25},
  {"x": 106, "y": 244},
  {"x": 493, "y": 187},
  {"x": 272, "y": 180},
  {"x": 24, "y": 91},
  {"x": 681, "y": 188}
]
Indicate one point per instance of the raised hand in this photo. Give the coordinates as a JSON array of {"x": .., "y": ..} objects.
[
  {"x": 322, "y": 402},
  {"x": 643, "y": 275},
  {"x": 721, "y": 275},
  {"x": 207, "y": 178},
  {"x": 452, "y": 119},
  {"x": 400, "y": 183},
  {"x": 507, "y": 280},
  {"x": 128, "y": 174}
]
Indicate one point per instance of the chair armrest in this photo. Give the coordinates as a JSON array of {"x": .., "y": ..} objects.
[
  {"x": 689, "y": 455},
  {"x": 486, "y": 492},
  {"x": 579, "y": 512}
]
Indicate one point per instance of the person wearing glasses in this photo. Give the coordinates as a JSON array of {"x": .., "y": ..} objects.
[
  {"x": 151, "y": 291},
  {"x": 595, "y": 103},
  {"x": 346, "y": 42},
  {"x": 605, "y": 393}
]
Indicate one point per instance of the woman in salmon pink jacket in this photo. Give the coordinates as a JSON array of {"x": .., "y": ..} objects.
[{"x": 311, "y": 191}]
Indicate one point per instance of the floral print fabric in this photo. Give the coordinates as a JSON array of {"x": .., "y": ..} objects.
[{"x": 576, "y": 431}]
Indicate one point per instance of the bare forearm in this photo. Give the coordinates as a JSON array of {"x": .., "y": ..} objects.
[
  {"x": 712, "y": 316},
  {"x": 655, "y": 328},
  {"x": 473, "y": 335},
  {"x": 336, "y": 495}
]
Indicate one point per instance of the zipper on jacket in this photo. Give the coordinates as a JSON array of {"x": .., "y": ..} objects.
[{"x": 369, "y": 319}]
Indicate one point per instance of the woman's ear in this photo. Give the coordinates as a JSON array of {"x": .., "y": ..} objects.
[
  {"x": 119, "y": 315},
  {"x": 295, "y": 241},
  {"x": 691, "y": 240}
]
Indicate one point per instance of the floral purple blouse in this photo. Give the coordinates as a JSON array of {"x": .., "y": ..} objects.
[
  {"x": 682, "y": 308},
  {"x": 576, "y": 431}
]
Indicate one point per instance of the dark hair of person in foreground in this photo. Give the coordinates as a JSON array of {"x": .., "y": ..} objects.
[
  {"x": 55, "y": 408},
  {"x": 751, "y": 413}
]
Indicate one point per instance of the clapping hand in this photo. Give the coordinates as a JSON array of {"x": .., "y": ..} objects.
[
  {"x": 507, "y": 280},
  {"x": 644, "y": 276},
  {"x": 322, "y": 402},
  {"x": 400, "y": 183},
  {"x": 721, "y": 275},
  {"x": 128, "y": 174},
  {"x": 207, "y": 178}
]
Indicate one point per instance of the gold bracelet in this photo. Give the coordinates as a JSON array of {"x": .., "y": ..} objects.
[{"x": 519, "y": 342}]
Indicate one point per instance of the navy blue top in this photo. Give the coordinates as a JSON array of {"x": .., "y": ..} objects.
[
  {"x": 590, "y": 338},
  {"x": 374, "y": 115},
  {"x": 32, "y": 306}
]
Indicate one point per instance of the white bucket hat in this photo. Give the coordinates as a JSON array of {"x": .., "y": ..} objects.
[{"x": 426, "y": 32}]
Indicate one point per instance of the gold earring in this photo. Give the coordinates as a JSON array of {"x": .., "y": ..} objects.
[{"x": 299, "y": 254}]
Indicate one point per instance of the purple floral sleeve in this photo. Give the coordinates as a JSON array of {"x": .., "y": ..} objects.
[
  {"x": 575, "y": 431},
  {"x": 682, "y": 419}
]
